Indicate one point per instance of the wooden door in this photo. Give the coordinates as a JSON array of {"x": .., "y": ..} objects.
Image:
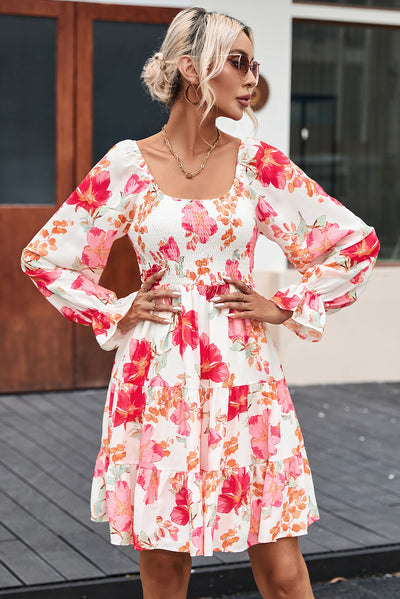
[
  {"x": 113, "y": 43},
  {"x": 63, "y": 46},
  {"x": 36, "y": 174}
]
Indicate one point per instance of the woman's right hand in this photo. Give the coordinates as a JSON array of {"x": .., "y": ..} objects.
[{"x": 145, "y": 306}]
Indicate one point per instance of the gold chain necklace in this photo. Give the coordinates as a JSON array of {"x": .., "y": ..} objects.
[{"x": 179, "y": 161}]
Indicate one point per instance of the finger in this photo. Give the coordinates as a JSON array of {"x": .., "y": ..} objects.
[
  {"x": 150, "y": 280},
  {"x": 233, "y": 306},
  {"x": 229, "y": 297},
  {"x": 156, "y": 293},
  {"x": 241, "y": 315},
  {"x": 161, "y": 307},
  {"x": 239, "y": 284}
]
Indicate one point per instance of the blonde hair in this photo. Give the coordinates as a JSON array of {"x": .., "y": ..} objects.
[{"x": 205, "y": 36}]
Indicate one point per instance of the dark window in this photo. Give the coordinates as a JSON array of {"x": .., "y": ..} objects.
[
  {"x": 122, "y": 108},
  {"x": 27, "y": 116},
  {"x": 345, "y": 121},
  {"x": 368, "y": 3}
]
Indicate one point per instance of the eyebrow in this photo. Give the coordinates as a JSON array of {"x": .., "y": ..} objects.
[{"x": 240, "y": 52}]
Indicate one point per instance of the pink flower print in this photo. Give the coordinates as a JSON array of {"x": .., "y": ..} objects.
[
  {"x": 211, "y": 365},
  {"x": 237, "y": 403},
  {"x": 181, "y": 417},
  {"x": 264, "y": 437},
  {"x": 213, "y": 438},
  {"x": 95, "y": 253},
  {"x": 100, "y": 322},
  {"x": 150, "y": 451},
  {"x": 134, "y": 185},
  {"x": 102, "y": 463},
  {"x": 180, "y": 513},
  {"x": 322, "y": 239},
  {"x": 186, "y": 331},
  {"x": 255, "y": 516},
  {"x": 149, "y": 480},
  {"x": 283, "y": 396},
  {"x": 234, "y": 491},
  {"x": 92, "y": 192},
  {"x": 250, "y": 247},
  {"x": 264, "y": 211},
  {"x": 197, "y": 221},
  {"x": 137, "y": 368},
  {"x": 158, "y": 381},
  {"x": 90, "y": 288},
  {"x": 130, "y": 405},
  {"x": 271, "y": 165},
  {"x": 360, "y": 251},
  {"x": 119, "y": 507},
  {"x": 294, "y": 466},
  {"x": 42, "y": 278},
  {"x": 274, "y": 485},
  {"x": 170, "y": 249},
  {"x": 198, "y": 539},
  {"x": 239, "y": 329},
  {"x": 312, "y": 300},
  {"x": 232, "y": 269},
  {"x": 83, "y": 318}
]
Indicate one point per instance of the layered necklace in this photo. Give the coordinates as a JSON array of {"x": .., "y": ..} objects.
[{"x": 188, "y": 174}]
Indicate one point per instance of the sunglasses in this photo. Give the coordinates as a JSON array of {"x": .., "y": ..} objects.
[{"x": 243, "y": 65}]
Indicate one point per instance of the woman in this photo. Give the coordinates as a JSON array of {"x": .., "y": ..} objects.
[{"x": 201, "y": 447}]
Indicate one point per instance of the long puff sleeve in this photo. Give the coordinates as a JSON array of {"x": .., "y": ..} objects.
[
  {"x": 67, "y": 256},
  {"x": 332, "y": 248}
]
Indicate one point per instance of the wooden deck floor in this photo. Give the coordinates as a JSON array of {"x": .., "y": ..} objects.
[{"x": 50, "y": 441}]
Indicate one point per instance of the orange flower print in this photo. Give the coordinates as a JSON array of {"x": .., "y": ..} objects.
[{"x": 229, "y": 538}]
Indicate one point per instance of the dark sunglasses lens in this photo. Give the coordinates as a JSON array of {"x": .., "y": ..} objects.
[{"x": 243, "y": 66}]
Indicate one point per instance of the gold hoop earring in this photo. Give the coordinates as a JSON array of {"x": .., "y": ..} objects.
[{"x": 187, "y": 95}]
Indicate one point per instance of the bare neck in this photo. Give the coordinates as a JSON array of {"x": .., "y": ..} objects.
[{"x": 184, "y": 131}]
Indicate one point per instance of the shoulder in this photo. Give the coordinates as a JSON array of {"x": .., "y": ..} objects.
[{"x": 259, "y": 150}]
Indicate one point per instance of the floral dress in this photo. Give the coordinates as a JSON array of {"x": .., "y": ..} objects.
[{"x": 201, "y": 449}]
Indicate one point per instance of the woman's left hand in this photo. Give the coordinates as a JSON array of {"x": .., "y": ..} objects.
[{"x": 247, "y": 303}]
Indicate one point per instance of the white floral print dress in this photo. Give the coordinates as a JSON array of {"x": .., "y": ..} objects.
[{"x": 201, "y": 449}]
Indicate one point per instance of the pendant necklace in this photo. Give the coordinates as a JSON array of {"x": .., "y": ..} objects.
[{"x": 188, "y": 174}]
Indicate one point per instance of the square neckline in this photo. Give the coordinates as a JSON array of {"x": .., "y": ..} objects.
[{"x": 154, "y": 182}]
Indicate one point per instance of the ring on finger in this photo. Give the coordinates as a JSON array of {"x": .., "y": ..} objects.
[{"x": 148, "y": 297}]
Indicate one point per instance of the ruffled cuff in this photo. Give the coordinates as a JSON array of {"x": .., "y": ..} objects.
[
  {"x": 309, "y": 316},
  {"x": 105, "y": 324}
]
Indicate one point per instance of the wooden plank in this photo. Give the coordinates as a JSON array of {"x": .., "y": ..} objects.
[
  {"x": 65, "y": 562},
  {"x": 101, "y": 557},
  {"x": 7, "y": 578},
  {"x": 75, "y": 439},
  {"x": 25, "y": 565}
]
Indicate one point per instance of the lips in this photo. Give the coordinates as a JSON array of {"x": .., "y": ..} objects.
[{"x": 244, "y": 100}]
